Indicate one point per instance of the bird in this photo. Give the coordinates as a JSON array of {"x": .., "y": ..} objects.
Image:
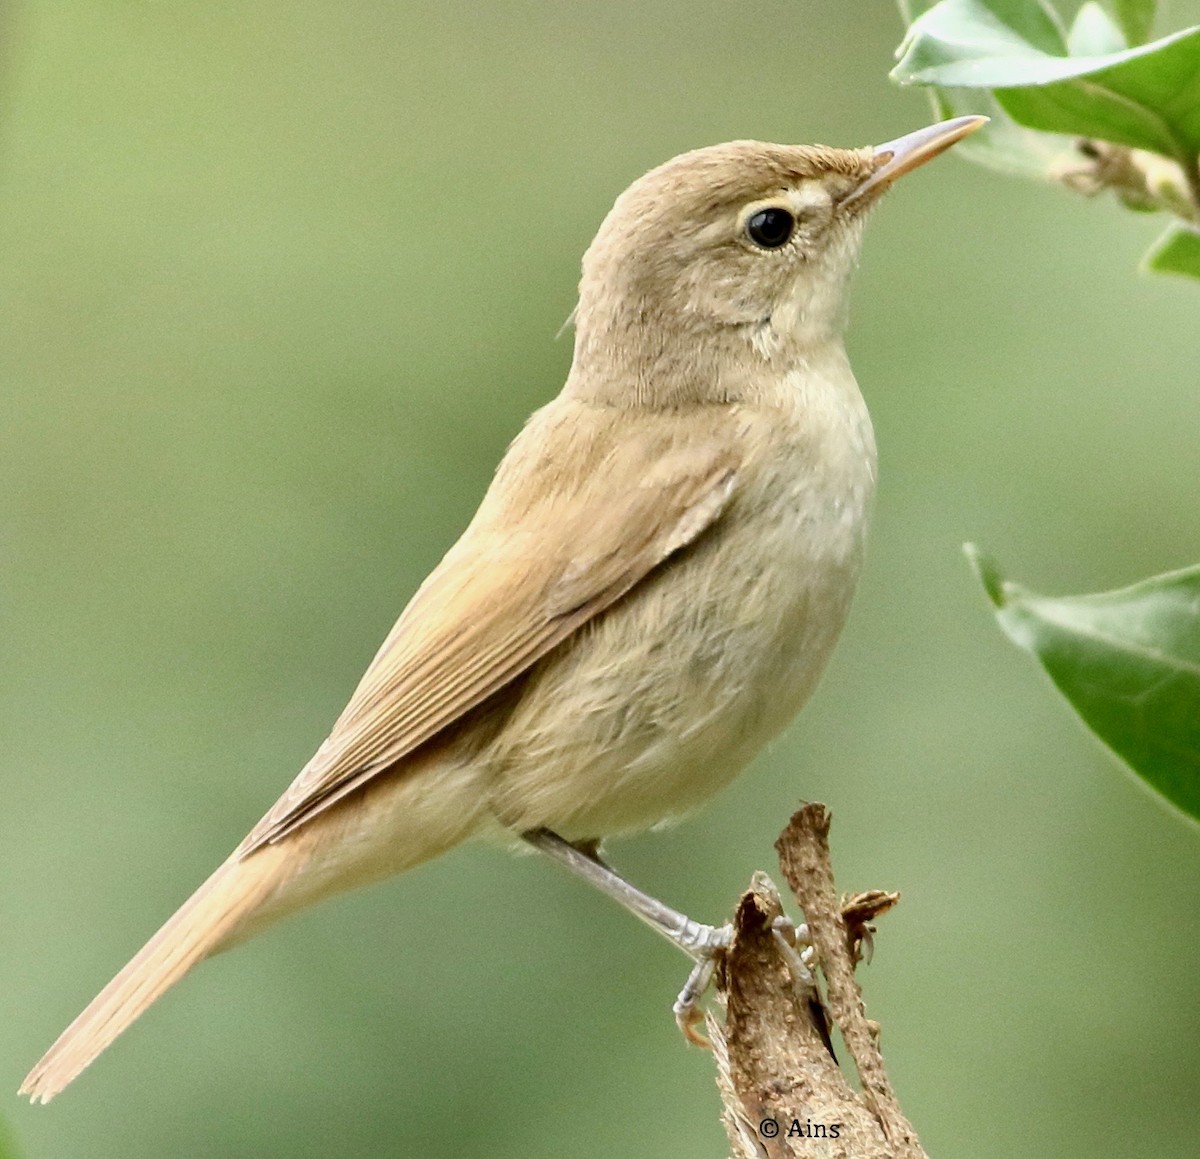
[{"x": 647, "y": 593}]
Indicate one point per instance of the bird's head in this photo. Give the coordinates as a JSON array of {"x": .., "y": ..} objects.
[{"x": 741, "y": 243}]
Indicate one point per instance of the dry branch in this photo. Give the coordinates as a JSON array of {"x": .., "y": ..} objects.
[{"x": 784, "y": 1093}]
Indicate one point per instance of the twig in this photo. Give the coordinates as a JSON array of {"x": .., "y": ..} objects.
[
  {"x": 783, "y": 1091},
  {"x": 803, "y": 849},
  {"x": 1144, "y": 181}
]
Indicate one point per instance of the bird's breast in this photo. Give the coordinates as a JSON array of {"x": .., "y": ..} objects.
[{"x": 661, "y": 700}]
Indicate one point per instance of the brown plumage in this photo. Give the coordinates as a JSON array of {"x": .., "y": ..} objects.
[{"x": 649, "y": 589}]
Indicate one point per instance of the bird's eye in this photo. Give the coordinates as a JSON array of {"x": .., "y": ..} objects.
[{"x": 770, "y": 228}]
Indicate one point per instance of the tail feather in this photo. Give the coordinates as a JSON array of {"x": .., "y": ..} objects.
[{"x": 197, "y": 929}]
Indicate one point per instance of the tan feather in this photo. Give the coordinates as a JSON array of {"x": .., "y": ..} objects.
[
  {"x": 197, "y": 929},
  {"x": 709, "y": 389},
  {"x": 529, "y": 571}
]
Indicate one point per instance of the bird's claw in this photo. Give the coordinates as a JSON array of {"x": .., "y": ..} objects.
[
  {"x": 687, "y": 1006},
  {"x": 709, "y": 943}
]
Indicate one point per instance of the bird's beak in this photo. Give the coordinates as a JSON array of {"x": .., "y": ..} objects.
[{"x": 895, "y": 158}]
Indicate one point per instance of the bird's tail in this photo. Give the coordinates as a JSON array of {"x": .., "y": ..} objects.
[{"x": 198, "y": 928}]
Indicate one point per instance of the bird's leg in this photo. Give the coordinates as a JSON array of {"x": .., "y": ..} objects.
[
  {"x": 698, "y": 941},
  {"x": 797, "y": 950},
  {"x": 687, "y": 1005},
  {"x": 591, "y": 848}
]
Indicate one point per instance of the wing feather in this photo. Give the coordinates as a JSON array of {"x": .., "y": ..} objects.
[{"x": 554, "y": 544}]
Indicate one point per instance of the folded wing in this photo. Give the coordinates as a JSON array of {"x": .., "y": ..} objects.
[{"x": 557, "y": 540}]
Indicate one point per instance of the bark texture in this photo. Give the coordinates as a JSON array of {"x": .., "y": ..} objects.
[{"x": 784, "y": 1093}]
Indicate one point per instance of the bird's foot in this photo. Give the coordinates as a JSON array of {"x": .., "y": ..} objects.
[
  {"x": 702, "y": 943},
  {"x": 796, "y": 947},
  {"x": 688, "y": 1014},
  {"x": 793, "y": 942}
]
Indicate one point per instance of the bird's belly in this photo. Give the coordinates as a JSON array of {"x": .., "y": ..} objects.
[{"x": 661, "y": 702}]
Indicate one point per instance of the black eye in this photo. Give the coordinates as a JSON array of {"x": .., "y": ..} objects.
[{"x": 770, "y": 228}]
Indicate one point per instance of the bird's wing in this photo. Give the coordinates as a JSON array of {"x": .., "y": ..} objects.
[{"x": 554, "y": 544}]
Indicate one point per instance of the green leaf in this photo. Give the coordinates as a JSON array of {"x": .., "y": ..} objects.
[
  {"x": 1001, "y": 144},
  {"x": 1176, "y": 252},
  {"x": 1128, "y": 661},
  {"x": 911, "y": 9},
  {"x": 1146, "y": 97},
  {"x": 1094, "y": 33},
  {"x": 1136, "y": 18},
  {"x": 1036, "y": 17},
  {"x": 979, "y": 43}
]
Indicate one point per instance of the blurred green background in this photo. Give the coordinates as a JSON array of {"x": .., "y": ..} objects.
[{"x": 279, "y": 283}]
